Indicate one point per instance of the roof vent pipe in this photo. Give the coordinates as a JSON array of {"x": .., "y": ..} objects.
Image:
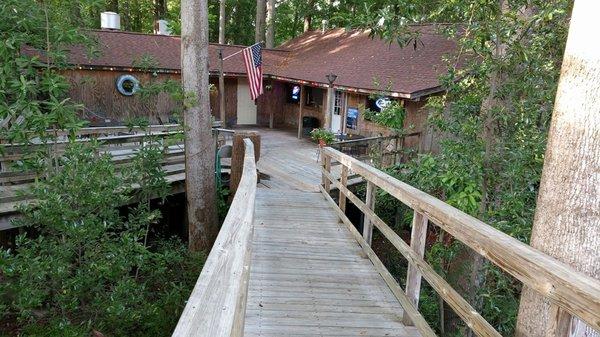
[
  {"x": 161, "y": 27},
  {"x": 110, "y": 20}
]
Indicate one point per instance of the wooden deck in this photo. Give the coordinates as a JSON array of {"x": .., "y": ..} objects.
[{"x": 309, "y": 276}]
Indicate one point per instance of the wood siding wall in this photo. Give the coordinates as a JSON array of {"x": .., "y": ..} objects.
[
  {"x": 97, "y": 91},
  {"x": 230, "y": 99}
]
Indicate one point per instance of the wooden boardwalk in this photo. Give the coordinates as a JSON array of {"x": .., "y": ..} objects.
[
  {"x": 289, "y": 262},
  {"x": 308, "y": 275}
]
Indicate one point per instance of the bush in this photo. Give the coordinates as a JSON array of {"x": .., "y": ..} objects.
[
  {"x": 81, "y": 266},
  {"x": 322, "y": 135}
]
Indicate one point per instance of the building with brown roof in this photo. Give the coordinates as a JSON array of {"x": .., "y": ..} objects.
[{"x": 366, "y": 68}]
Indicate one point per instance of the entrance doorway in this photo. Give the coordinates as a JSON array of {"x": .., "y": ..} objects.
[
  {"x": 338, "y": 108},
  {"x": 246, "y": 108}
]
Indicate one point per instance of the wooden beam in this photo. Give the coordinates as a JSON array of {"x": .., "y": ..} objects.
[
  {"x": 237, "y": 156},
  {"x": 370, "y": 202},
  {"x": 418, "y": 237},
  {"x": 573, "y": 291},
  {"x": 300, "y": 110},
  {"x": 326, "y": 166},
  {"x": 216, "y": 307},
  {"x": 343, "y": 182}
]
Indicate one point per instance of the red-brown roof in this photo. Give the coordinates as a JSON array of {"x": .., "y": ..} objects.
[
  {"x": 118, "y": 49},
  {"x": 358, "y": 60}
]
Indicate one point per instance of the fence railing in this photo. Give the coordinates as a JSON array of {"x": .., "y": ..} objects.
[
  {"x": 120, "y": 142},
  {"x": 570, "y": 292},
  {"x": 217, "y": 305},
  {"x": 384, "y": 150}
]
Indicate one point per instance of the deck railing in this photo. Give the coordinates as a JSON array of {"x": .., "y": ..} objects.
[
  {"x": 387, "y": 150},
  {"x": 120, "y": 142},
  {"x": 570, "y": 292},
  {"x": 217, "y": 305}
]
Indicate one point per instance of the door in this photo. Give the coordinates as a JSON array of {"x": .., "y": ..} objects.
[
  {"x": 246, "y": 108},
  {"x": 338, "y": 107}
]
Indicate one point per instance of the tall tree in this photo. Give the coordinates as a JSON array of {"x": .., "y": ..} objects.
[
  {"x": 308, "y": 15},
  {"x": 261, "y": 8},
  {"x": 160, "y": 9},
  {"x": 112, "y": 5},
  {"x": 567, "y": 223},
  {"x": 199, "y": 145},
  {"x": 222, "y": 5},
  {"x": 270, "y": 38}
]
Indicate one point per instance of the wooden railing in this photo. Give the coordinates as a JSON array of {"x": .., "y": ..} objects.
[
  {"x": 568, "y": 290},
  {"x": 217, "y": 305},
  {"x": 387, "y": 150},
  {"x": 120, "y": 142}
]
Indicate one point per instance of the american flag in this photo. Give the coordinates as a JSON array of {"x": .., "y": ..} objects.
[{"x": 253, "y": 60}]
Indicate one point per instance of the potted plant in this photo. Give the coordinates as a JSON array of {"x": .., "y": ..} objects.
[{"x": 323, "y": 136}]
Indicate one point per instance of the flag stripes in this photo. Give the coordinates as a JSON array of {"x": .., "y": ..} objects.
[{"x": 253, "y": 62}]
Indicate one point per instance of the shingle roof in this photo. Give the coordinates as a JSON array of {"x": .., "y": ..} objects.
[
  {"x": 358, "y": 60},
  {"x": 121, "y": 49}
]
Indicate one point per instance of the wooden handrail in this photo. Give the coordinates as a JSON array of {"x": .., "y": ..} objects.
[
  {"x": 217, "y": 305},
  {"x": 565, "y": 287}
]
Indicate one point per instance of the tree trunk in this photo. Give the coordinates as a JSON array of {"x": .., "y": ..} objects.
[
  {"x": 566, "y": 224},
  {"x": 325, "y": 22},
  {"x": 307, "y": 23},
  {"x": 308, "y": 15},
  {"x": 160, "y": 9},
  {"x": 222, "y": 4},
  {"x": 261, "y": 9},
  {"x": 199, "y": 145},
  {"x": 270, "y": 40},
  {"x": 112, "y": 6}
]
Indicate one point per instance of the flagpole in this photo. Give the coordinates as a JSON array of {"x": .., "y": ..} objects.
[
  {"x": 239, "y": 51},
  {"x": 221, "y": 90}
]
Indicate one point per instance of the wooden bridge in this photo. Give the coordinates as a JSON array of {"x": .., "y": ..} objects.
[{"x": 288, "y": 261}]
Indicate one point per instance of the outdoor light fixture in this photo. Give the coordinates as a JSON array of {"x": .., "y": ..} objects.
[{"x": 331, "y": 78}]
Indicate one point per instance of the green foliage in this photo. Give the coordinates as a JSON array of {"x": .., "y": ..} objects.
[
  {"x": 83, "y": 260},
  {"x": 392, "y": 116},
  {"x": 31, "y": 101},
  {"x": 323, "y": 135},
  {"x": 82, "y": 265},
  {"x": 491, "y": 173}
]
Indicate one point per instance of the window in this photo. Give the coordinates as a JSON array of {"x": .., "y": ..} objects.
[{"x": 314, "y": 96}]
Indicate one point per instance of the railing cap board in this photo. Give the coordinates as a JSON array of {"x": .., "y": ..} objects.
[
  {"x": 571, "y": 290},
  {"x": 216, "y": 307}
]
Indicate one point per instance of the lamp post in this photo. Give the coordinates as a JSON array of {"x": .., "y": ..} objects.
[{"x": 331, "y": 77}]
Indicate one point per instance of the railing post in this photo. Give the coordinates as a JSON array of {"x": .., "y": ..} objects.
[
  {"x": 343, "y": 182},
  {"x": 237, "y": 156},
  {"x": 370, "y": 202},
  {"x": 559, "y": 322},
  {"x": 326, "y": 162},
  {"x": 418, "y": 237}
]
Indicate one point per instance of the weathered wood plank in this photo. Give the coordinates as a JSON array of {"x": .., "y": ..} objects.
[
  {"x": 414, "y": 315},
  {"x": 370, "y": 202},
  {"x": 418, "y": 236},
  {"x": 216, "y": 307}
]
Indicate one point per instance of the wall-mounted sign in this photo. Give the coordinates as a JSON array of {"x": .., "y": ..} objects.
[
  {"x": 378, "y": 104},
  {"x": 295, "y": 93},
  {"x": 352, "y": 118},
  {"x": 382, "y": 103}
]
